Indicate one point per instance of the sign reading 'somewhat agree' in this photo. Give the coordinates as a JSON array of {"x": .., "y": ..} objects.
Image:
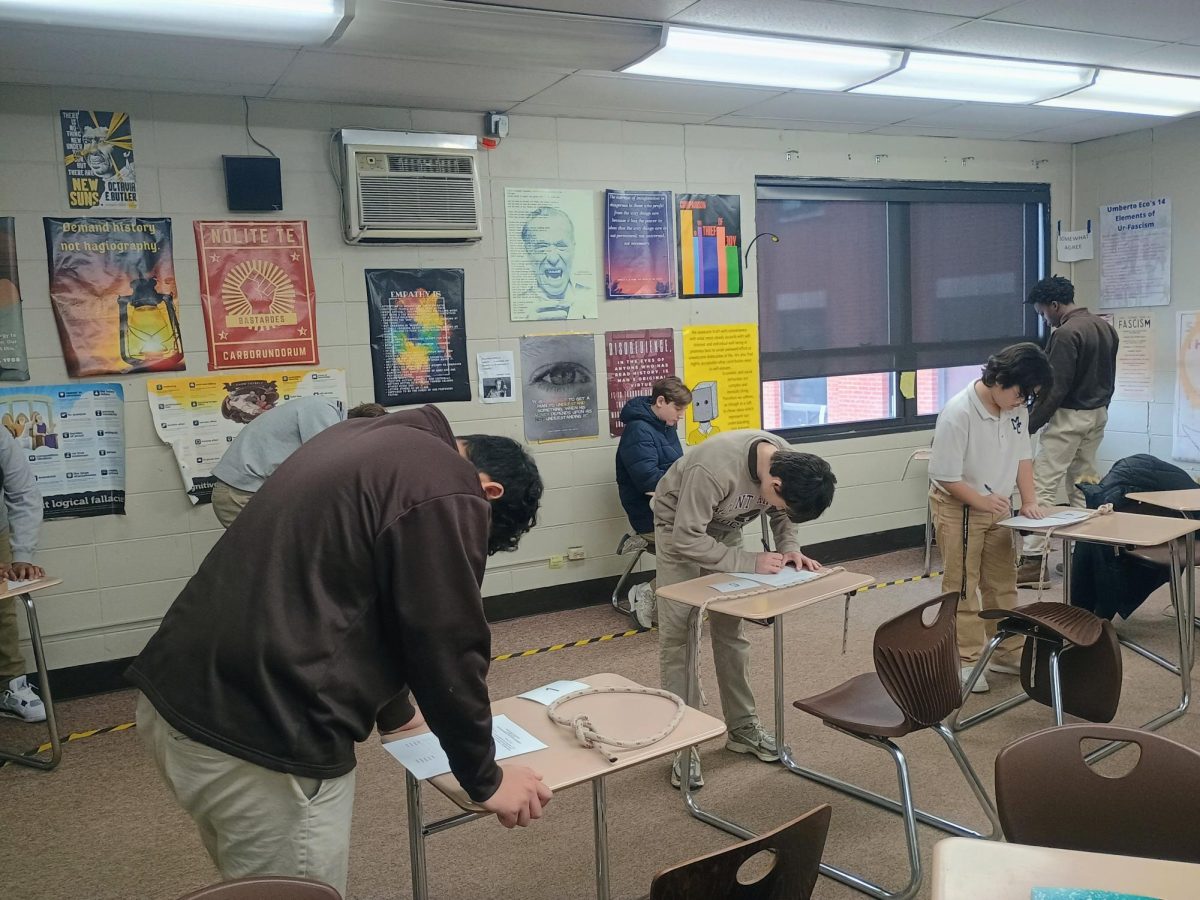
[{"x": 256, "y": 288}]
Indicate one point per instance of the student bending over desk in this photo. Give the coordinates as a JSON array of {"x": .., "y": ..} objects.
[{"x": 353, "y": 577}]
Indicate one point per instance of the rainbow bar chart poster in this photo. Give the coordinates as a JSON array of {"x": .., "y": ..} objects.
[{"x": 710, "y": 245}]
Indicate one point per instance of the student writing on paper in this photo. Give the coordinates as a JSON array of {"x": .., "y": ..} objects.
[
  {"x": 981, "y": 450},
  {"x": 700, "y": 507},
  {"x": 351, "y": 579}
]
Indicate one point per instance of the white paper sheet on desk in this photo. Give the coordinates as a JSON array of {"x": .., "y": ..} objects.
[
  {"x": 735, "y": 585},
  {"x": 1058, "y": 520},
  {"x": 784, "y": 578},
  {"x": 423, "y": 755},
  {"x": 548, "y": 693},
  {"x": 17, "y": 585}
]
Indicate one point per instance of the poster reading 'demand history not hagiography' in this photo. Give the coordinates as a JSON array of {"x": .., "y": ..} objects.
[{"x": 256, "y": 287}]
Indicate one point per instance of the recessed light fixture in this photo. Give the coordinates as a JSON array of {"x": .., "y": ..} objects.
[
  {"x": 728, "y": 57},
  {"x": 943, "y": 76},
  {"x": 1135, "y": 92},
  {"x": 273, "y": 21}
]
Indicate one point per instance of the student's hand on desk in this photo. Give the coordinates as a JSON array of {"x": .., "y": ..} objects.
[
  {"x": 520, "y": 797},
  {"x": 23, "y": 571},
  {"x": 798, "y": 560},
  {"x": 1032, "y": 511},
  {"x": 993, "y": 504},
  {"x": 768, "y": 563}
]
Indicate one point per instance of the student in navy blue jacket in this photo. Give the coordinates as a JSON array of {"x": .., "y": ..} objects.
[{"x": 649, "y": 444}]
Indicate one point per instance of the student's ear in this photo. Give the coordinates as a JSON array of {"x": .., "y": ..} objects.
[{"x": 493, "y": 490}]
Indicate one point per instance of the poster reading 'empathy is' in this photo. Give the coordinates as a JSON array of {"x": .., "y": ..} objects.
[
  {"x": 720, "y": 364},
  {"x": 710, "y": 245},
  {"x": 74, "y": 438},
  {"x": 637, "y": 244},
  {"x": 256, "y": 287},
  {"x": 14, "y": 364},
  {"x": 418, "y": 335},
  {"x": 98, "y": 156},
  {"x": 112, "y": 285},
  {"x": 558, "y": 388},
  {"x": 200, "y": 417},
  {"x": 551, "y": 236},
  {"x": 635, "y": 360}
]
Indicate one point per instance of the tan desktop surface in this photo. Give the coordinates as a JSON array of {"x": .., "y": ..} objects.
[
  {"x": 1180, "y": 501},
  {"x": 770, "y": 603}
]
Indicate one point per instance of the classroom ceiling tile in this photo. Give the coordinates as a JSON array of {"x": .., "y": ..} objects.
[
  {"x": 390, "y": 95},
  {"x": 1031, "y": 42},
  {"x": 792, "y": 124},
  {"x": 988, "y": 134},
  {"x": 1158, "y": 20},
  {"x": 624, "y": 92},
  {"x": 861, "y": 108},
  {"x": 950, "y": 7},
  {"x": 489, "y": 36},
  {"x": 656, "y": 10},
  {"x": 819, "y": 19},
  {"x": 1002, "y": 116},
  {"x": 1173, "y": 59},
  {"x": 1091, "y": 129},
  {"x": 536, "y": 108}
]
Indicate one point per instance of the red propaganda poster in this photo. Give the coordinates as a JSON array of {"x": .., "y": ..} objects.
[
  {"x": 256, "y": 287},
  {"x": 635, "y": 360}
]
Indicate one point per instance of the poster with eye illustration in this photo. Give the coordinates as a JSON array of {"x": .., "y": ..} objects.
[{"x": 558, "y": 387}]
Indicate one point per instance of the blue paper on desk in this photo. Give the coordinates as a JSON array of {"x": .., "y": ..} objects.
[{"x": 1041, "y": 893}]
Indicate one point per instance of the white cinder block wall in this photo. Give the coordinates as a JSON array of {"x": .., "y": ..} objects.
[
  {"x": 1158, "y": 162},
  {"x": 121, "y": 573}
]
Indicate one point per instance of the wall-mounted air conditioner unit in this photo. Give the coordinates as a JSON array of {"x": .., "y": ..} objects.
[{"x": 401, "y": 187}]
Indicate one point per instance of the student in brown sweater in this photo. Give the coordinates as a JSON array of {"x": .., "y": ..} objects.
[{"x": 352, "y": 579}]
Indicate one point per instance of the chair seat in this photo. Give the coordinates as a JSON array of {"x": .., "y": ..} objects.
[
  {"x": 1156, "y": 556},
  {"x": 861, "y": 705},
  {"x": 1070, "y": 623}
]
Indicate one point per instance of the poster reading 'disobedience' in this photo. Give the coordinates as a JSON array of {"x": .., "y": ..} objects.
[
  {"x": 558, "y": 386},
  {"x": 635, "y": 360},
  {"x": 418, "y": 335}
]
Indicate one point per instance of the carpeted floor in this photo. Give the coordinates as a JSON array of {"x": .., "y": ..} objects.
[{"x": 103, "y": 825}]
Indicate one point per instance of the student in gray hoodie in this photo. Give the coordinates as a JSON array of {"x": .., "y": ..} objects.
[{"x": 700, "y": 507}]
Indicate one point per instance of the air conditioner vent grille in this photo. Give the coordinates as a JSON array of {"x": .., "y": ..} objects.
[{"x": 430, "y": 165}]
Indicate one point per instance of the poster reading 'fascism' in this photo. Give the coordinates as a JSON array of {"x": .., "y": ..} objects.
[
  {"x": 418, "y": 335},
  {"x": 200, "y": 416},
  {"x": 14, "y": 364},
  {"x": 112, "y": 285},
  {"x": 256, "y": 287},
  {"x": 710, "y": 245},
  {"x": 74, "y": 438},
  {"x": 635, "y": 360},
  {"x": 98, "y": 157}
]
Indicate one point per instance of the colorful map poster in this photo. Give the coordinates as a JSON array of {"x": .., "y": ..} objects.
[
  {"x": 14, "y": 364},
  {"x": 112, "y": 285},
  {"x": 74, "y": 435},
  {"x": 720, "y": 364},
  {"x": 200, "y": 416},
  {"x": 98, "y": 157},
  {"x": 635, "y": 360},
  {"x": 637, "y": 244},
  {"x": 256, "y": 288},
  {"x": 710, "y": 245},
  {"x": 558, "y": 389},
  {"x": 418, "y": 335}
]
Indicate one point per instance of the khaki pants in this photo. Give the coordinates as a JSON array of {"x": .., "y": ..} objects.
[
  {"x": 228, "y": 501},
  {"x": 1067, "y": 447},
  {"x": 254, "y": 821},
  {"x": 731, "y": 650},
  {"x": 991, "y": 574},
  {"x": 12, "y": 663}
]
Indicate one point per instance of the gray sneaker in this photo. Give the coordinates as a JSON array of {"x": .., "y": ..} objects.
[
  {"x": 676, "y": 771},
  {"x": 643, "y": 604},
  {"x": 753, "y": 738}
]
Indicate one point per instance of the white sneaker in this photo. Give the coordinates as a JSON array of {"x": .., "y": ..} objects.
[
  {"x": 980, "y": 686},
  {"x": 1005, "y": 668},
  {"x": 643, "y": 605},
  {"x": 21, "y": 701}
]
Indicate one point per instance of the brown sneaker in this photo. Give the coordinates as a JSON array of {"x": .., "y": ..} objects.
[{"x": 1029, "y": 573}]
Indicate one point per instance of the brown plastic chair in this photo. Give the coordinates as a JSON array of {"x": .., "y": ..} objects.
[
  {"x": 1048, "y": 796},
  {"x": 266, "y": 887},
  {"x": 1071, "y": 662},
  {"x": 796, "y": 850},
  {"x": 914, "y": 687}
]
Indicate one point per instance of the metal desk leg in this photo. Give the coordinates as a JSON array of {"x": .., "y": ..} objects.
[
  {"x": 39, "y": 656},
  {"x": 1066, "y": 547},
  {"x": 416, "y": 838},
  {"x": 600, "y": 822}
]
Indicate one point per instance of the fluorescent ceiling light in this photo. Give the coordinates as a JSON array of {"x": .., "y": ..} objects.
[
  {"x": 732, "y": 58},
  {"x": 943, "y": 76},
  {"x": 1135, "y": 92},
  {"x": 275, "y": 21}
]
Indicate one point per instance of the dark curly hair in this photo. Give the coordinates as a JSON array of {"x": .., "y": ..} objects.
[
  {"x": 1054, "y": 289},
  {"x": 508, "y": 463},
  {"x": 1023, "y": 365},
  {"x": 806, "y": 483}
]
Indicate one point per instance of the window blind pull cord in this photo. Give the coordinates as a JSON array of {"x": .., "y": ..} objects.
[{"x": 589, "y": 737}]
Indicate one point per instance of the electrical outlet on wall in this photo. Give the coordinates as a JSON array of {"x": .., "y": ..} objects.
[{"x": 575, "y": 553}]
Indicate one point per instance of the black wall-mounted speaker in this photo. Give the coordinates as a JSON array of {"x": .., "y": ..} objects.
[{"x": 253, "y": 184}]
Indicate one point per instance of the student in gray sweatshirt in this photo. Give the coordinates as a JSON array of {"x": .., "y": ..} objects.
[
  {"x": 262, "y": 446},
  {"x": 700, "y": 507}
]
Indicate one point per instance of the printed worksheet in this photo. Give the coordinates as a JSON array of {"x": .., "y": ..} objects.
[
  {"x": 423, "y": 755},
  {"x": 547, "y": 694},
  {"x": 1058, "y": 520},
  {"x": 741, "y": 583},
  {"x": 783, "y": 578}
]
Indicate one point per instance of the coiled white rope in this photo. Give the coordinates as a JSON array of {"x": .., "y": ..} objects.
[
  {"x": 1043, "y": 569},
  {"x": 589, "y": 737}
]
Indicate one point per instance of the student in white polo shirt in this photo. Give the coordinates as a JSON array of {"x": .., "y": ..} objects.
[{"x": 981, "y": 451}]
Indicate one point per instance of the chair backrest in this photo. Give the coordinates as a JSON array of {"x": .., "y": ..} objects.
[
  {"x": 1047, "y": 795},
  {"x": 918, "y": 663},
  {"x": 266, "y": 887},
  {"x": 796, "y": 850}
]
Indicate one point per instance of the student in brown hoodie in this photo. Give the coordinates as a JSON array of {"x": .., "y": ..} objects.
[{"x": 351, "y": 579}]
